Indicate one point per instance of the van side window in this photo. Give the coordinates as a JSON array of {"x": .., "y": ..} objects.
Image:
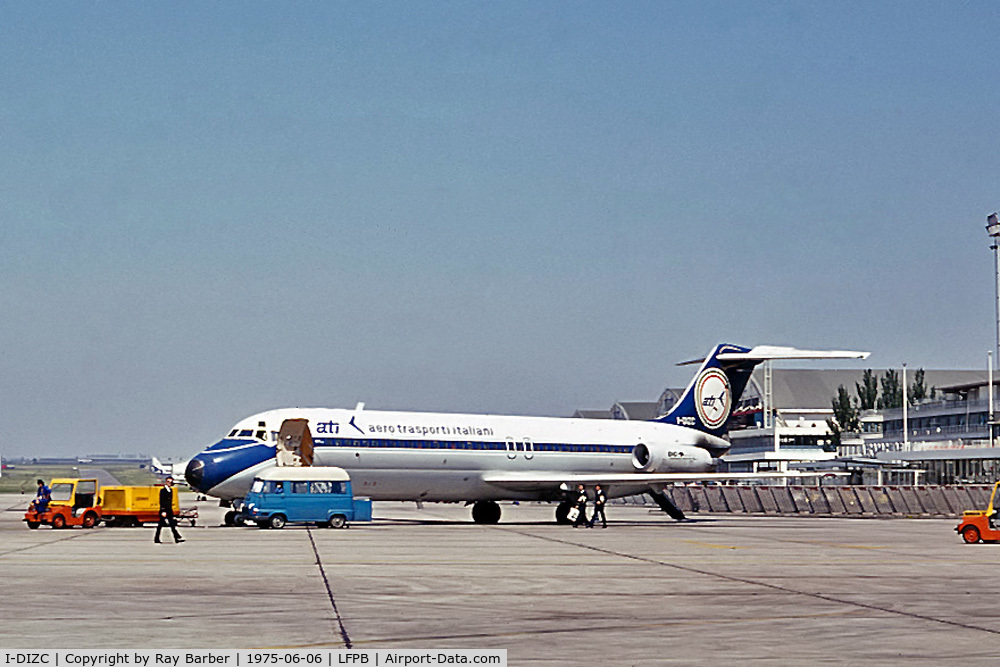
[
  {"x": 337, "y": 487},
  {"x": 322, "y": 487},
  {"x": 274, "y": 487},
  {"x": 300, "y": 487}
]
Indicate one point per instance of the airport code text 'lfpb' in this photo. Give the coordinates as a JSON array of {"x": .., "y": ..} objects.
[{"x": 252, "y": 658}]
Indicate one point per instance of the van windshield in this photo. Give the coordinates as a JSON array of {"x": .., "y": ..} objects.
[{"x": 257, "y": 486}]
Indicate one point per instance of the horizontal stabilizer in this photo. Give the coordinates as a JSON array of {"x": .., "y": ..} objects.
[{"x": 769, "y": 352}]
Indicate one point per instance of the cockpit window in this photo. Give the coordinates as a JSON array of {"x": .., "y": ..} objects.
[
  {"x": 233, "y": 432},
  {"x": 261, "y": 435},
  {"x": 246, "y": 433}
]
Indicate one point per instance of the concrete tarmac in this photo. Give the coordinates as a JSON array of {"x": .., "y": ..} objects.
[{"x": 645, "y": 591}]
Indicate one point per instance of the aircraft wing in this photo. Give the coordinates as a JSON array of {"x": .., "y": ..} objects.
[{"x": 540, "y": 481}]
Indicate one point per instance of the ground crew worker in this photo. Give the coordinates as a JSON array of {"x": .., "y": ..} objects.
[
  {"x": 167, "y": 511},
  {"x": 42, "y": 498},
  {"x": 599, "y": 501},
  {"x": 581, "y": 506}
]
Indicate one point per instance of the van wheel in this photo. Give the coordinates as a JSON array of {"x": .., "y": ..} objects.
[
  {"x": 230, "y": 518},
  {"x": 338, "y": 521},
  {"x": 278, "y": 521},
  {"x": 970, "y": 534},
  {"x": 58, "y": 521}
]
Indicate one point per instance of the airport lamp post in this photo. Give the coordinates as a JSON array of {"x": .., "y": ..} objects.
[{"x": 993, "y": 229}]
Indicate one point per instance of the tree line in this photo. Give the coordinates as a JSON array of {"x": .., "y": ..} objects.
[{"x": 847, "y": 410}]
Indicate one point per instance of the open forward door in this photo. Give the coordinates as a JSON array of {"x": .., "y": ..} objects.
[{"x": 295, "y": 445}]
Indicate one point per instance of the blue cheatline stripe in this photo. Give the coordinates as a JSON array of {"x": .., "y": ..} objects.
[{"x": 471, "y": 445}]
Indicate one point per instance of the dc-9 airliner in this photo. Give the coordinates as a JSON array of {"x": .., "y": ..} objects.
[{"x": 483, "y": 459}]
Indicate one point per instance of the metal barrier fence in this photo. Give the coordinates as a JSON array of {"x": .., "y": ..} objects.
[{"x": 899, "y": 501}]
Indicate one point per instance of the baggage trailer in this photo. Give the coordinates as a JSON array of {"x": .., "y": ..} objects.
[{"x": 136, "y": 505}]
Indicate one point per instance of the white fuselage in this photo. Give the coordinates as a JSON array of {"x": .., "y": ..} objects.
[{"x": 449, "y": 457}]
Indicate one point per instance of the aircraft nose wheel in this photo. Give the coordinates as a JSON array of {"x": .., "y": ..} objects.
[{"x": 485, "y": 511}]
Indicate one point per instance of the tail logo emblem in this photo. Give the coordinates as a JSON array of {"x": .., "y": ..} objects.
[{"x": 713, "y": 398}]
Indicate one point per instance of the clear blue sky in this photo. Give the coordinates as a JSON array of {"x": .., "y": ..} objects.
[{"x": 211, "y": 209}]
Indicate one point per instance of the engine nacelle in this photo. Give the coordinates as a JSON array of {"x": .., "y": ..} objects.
[{"x": 658, "y": 457}]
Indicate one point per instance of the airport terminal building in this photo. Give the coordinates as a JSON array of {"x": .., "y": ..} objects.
[{"x": 781, "y": 422}]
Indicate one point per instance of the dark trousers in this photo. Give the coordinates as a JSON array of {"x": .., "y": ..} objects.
[
  {"x": 593, "y": 519},
  {"x": 581, "y": 518},
  {"x": 168, "y": 520}
]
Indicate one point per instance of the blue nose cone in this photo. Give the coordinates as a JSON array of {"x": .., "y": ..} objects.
[
  {"x": 222, "y": 461},
  {"x": 194, "y": 474}
]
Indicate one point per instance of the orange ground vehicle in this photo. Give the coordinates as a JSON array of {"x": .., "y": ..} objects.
[
  {"x": 978, "y": 525},
  {"x": 73, "y": 503}
]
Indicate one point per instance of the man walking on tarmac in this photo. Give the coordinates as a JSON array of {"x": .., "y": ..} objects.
[
  {"x": 167, "y": 511},
  {"x": 599, "y": 500}
]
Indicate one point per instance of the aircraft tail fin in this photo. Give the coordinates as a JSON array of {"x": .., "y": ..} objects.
[
  {"x": 708, "y": 400},
  {"x": 158, "y": 468}
]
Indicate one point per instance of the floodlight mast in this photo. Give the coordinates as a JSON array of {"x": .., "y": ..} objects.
[{"x": 993, "y": 229}]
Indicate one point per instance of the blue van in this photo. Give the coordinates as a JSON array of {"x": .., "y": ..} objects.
[{"x": 290, "y": 494}]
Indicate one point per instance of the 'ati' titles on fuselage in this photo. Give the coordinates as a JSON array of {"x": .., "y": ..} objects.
[{"x": 333, "y": 428}]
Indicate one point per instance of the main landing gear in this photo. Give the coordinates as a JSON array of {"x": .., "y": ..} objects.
[{"x": 485, "y": 511}]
